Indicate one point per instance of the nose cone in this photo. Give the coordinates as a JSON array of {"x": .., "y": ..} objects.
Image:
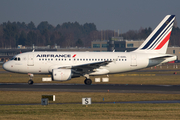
[{"x": 6, "y": 66}]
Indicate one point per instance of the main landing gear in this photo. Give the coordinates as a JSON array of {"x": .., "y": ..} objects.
[
  {"x": 87, "y": 81},
  {"x": 30, "y": 82}
]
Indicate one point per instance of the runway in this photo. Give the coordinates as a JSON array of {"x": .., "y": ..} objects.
[{"x": 112, "y": 88}]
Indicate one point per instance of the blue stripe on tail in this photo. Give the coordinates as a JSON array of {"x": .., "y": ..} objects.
[
  {"x": 158, "y": 32},
  {"x": 161, "y": 35}
]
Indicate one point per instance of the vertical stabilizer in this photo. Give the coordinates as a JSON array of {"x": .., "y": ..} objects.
[{"x": 157, "y": 41}]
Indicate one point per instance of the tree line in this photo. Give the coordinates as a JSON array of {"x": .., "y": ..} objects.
[{"x": 69, "y": 34}]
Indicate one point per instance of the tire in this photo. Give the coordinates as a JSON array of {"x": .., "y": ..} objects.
[
  {"x": 88, "y": 81},
  {"x": 30, "y": 82},
  {"x": 85, "y": 81}
]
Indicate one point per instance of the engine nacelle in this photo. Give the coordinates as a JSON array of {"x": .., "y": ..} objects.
[{"x": 61, "y": 74}]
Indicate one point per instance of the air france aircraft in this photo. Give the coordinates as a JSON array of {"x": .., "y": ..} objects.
[{"x": 63, "y": 66}]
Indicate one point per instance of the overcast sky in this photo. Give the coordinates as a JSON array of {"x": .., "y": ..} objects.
[{"x": 105, "y": 14}]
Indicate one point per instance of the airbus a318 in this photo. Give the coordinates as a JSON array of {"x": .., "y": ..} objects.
[{"x": 63, "y": 66}]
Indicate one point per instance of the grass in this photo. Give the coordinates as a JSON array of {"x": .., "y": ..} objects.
[
  {"x": 92, "y": 112},
  {"x": 26, "y": 97}
]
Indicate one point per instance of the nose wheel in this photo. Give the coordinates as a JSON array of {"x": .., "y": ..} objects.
[
  {"x": 88, "y": 81},
  {"x": 30, "y": 82}
]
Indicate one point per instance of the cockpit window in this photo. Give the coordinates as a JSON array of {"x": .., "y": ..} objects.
[
  {"x": 16, "y": 59},
  {"x": 12, "y": 58}
]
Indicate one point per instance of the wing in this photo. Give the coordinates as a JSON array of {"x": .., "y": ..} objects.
[{"x": 88, "y": 68}]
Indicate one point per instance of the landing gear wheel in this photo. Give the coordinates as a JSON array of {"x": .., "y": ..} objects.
[
  {"x": 30, "y": 82},
  {"x": 88, "y": 81}
]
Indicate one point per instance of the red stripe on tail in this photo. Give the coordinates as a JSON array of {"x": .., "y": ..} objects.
[{"x": 163, "y": 42}]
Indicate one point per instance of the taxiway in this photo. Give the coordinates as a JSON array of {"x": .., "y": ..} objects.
[{"x": 115, "y": 88}]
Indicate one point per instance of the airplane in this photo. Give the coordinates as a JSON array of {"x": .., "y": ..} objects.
[{"x": 63, "y": 66}]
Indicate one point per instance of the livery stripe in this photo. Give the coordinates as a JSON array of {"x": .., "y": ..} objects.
[
  {"x": 163, "y": 42},
  {"x": 158, "y": 32},
  {"x": 169, "y": 30},
  {"x": 165, "y": 31}
]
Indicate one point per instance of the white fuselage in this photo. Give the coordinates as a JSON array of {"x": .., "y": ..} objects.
[{"x": 44, "y": 62}]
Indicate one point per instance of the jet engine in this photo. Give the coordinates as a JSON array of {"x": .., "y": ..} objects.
[{"x": 61, "y": 74}]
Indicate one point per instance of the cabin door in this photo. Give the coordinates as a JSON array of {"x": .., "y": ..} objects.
[
  {"x": 30, "y": 61},
  {"x": 133, "y": 60}
]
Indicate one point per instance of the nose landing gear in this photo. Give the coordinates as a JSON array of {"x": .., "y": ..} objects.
[{"x": 30, "y": 82}]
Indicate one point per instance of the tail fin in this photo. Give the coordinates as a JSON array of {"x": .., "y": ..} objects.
[{"x": 157, "y": 41}]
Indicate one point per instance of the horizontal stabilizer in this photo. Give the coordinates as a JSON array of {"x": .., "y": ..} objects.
[{"x": 162, "y": 57}]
